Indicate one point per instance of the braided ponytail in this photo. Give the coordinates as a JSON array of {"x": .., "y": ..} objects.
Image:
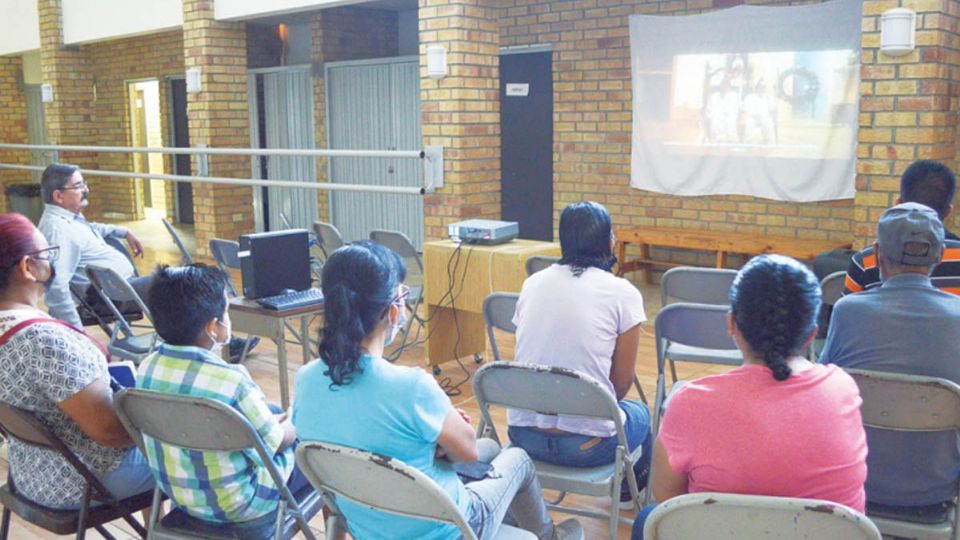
[
  {"x": 359, "y": 283},
  {"x": 775, "y": 301}
]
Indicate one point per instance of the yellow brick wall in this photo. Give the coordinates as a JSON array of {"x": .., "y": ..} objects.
[
  {"x": 114, "y": 63},
  {"x": 593, "y": 124},
  {"x": 13, "y": 124}
]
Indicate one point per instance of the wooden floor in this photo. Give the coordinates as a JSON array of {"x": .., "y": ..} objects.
[{"x": 262, "y": 365}]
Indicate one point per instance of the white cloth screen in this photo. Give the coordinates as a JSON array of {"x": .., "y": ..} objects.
[{"x": 751, "y": 100}]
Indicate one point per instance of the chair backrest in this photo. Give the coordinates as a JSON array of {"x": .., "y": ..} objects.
[
  {"x": 498, "y": 310},
  {"x": 113, "y": 288},
  {"x": 559, "y": 391},
  {"x": 285, "y": 221},
  {"x": 832, "y": 287},
  {"x": 902, "y": 402},
  {"x": 696, "y": 325},
  {"x": 226, "y": 253},
  {"x": 118, "y": 245},
  {"x": 539, "y": 262},
  {"x": 378, "y": 482},
  {"x": 24, "y": 425},
  {"x": 328, "y": 237},
  {"x": 185, "y": 257},
  {"x": 696, "y": 285},
  {"x": 400, "y": 244},
  {"x": 725, "y": 516}
]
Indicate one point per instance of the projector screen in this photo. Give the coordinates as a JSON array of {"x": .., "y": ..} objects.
[{"x": 759, "y": 101}]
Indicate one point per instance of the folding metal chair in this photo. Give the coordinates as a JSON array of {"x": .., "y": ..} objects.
[
  {"x": 727, "y": 516},
  {"x": 227, "y": 255},
  {"x": 328, "y": 238},
  {"x": 91, "y": 309},
  {"x": 552, "y": 390},
  {"x": 498, "y": 311},
  {"x": 832, "y": 289},
  {"x": 697, "y": 286},
  {"x": 402, "y": 246},
  {"x": 911, "y": 403},
  {"x": 207, "y": 425},
  {"x": 124, "y": 342},
  {"x": 26, "y": 427},
  {"x": 185, "y": 257},
  {"x": 539, "y": 262},
  {"x": 384, "y": 484}
]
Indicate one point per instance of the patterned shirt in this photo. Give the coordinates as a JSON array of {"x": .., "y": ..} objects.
[
  {"x": 864, "y": 274},
  {"x": 224, "y": 487},
  {"x": 42, "y": 365}
]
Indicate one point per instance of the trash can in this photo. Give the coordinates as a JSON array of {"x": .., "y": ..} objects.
[{"x": 25, "y": 199}]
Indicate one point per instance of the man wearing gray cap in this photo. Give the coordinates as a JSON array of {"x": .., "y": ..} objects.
[{"x": 904, "y": 326}]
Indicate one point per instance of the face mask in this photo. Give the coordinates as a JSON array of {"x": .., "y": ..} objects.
[
  {"x": 219, "y": 345},
  {"x": 53, "y": 274},
  {"x": 395, "y": 329}
]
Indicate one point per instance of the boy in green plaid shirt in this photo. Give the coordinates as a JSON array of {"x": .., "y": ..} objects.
[{"x": 189, "y": 308}]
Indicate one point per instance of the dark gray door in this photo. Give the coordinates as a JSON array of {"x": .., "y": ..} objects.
[
  {"x": 181, "y": 139},
  {"x": 526, "y": 142}
]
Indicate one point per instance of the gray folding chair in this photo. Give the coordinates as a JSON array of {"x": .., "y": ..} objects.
[
  {"x": 185, "y": 257},
  {"x": 539, "y": 262},
  {"x": 207, "y": 425},
  {"x": 832, "y": 289},
  {"x": 27, "y": 428},
  {"x": 568, "y": 392},
  {"x": 697, "y": 286},
  {"x": 727, "y": 516},
  {"x": 124, "y": 342},
  {"x": 227, "y": 255},
  {"x": 328, "y": 237},
  {"x": 402, "y": 246},
  {"x": 385, "y": 484},
  {"x": 911, "y": 403}
]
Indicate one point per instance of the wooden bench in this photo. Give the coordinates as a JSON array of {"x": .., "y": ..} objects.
[{"x": 719, "y": 241}]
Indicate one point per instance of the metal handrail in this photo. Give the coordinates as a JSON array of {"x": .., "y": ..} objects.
[{"x": 305, "y": 152}]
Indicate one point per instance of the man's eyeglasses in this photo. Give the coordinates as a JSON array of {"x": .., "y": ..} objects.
[
  {"x": 49, "y": 254},
  {"x": 80, "y": 186}
]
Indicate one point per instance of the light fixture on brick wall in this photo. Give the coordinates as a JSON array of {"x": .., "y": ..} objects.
[
  {"x": 898, "y": 31},
  {"x": 436, "y": 61},
  {"x": 193, "y": 80}
]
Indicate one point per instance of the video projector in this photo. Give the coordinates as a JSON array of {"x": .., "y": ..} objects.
[{"x": 486, "y": 232}]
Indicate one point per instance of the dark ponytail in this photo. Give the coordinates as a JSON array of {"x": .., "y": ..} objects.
[
  {"x": 359, "y": 283},
  {"x": 775, "y": 301}
]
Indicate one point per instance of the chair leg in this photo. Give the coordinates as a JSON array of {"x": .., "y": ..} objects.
[
  {"x": 673, "y": 371},
  {"x": 82, "y": 517},
  {"x": 643, "y": 397},
  {"x": 5, "y": 524},
  {"x": 104, "y": 532}
]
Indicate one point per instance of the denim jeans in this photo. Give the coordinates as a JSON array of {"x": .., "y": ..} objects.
[
  {"x": 513, "y": 487},
  {"x": 640, "y": 521},
  {"x": 131, "y": 477},
  {"x": 571, "y": 450}
]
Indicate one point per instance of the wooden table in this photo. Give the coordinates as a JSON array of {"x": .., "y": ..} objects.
[
  {"x": 482, "y": 270},
  {"x": 719, "y": 241},
  {"x": 248, "y": 316}
]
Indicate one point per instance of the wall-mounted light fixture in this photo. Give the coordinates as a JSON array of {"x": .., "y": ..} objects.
[
  {"x": 193, "y": 80},
  {"x": 898, "y": 31},
  {"x": 436, "y": 61},
  {"x": 46, "y": 93}
]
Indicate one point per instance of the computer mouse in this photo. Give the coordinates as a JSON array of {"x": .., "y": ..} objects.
[{"x": 287, "y": 291}]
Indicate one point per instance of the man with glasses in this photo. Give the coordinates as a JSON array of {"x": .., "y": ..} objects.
[{"x": 83, "y": 243}]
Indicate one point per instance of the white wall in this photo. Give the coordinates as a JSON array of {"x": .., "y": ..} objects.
[
  {"x": 245, "y": 9},
  {"x": 19, "y": 26},
  {"x": 93, "y": 20}
]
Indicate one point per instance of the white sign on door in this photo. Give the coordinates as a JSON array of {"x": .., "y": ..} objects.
[{"x": 518, "y": 89}]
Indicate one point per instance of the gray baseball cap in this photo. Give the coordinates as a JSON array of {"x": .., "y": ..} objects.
[{"x": 911, "y": 234}]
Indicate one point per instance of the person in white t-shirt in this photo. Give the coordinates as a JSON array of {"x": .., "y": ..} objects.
[{"x": 576, "y": 314}]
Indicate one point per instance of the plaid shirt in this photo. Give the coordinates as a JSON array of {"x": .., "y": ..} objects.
[{"x": 224, "y": 487}]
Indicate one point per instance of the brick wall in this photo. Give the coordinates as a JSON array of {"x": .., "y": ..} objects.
[
  {"x": 462, "y": 110},
  {"x": 593, "y": 124},
  {"x": 13, "y": 124},
  {"x": 112, "y": 64}
]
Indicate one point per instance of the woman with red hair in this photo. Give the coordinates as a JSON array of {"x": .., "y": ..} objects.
[{"x": 60, "y": 374}]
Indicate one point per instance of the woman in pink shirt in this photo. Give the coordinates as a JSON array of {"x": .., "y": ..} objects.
[{"x": 779, "y": 424}]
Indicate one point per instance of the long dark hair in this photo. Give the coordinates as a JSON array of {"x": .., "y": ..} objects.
[
  {"x": 585, "y": 233},
  {"x": 360, "y": 282},
  {"x": 775, "y": 301}
]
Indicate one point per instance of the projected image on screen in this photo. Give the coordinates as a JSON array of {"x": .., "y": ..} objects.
[{"x": 787, "y": 104}]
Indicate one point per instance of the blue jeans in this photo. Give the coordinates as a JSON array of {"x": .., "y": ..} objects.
[
  {"x": 641, "y": 519},
  {"x": 573, "y": 450},
  {"x": 131, "y": 477}
]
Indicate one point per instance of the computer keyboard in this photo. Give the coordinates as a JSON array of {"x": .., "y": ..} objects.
[{"x": 292, "y": 300}]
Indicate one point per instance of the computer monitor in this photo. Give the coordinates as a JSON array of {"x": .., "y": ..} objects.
[{"x": 272, "y": 262}]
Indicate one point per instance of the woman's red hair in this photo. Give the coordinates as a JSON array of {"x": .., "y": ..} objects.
[{"x": 16, "y": 238}]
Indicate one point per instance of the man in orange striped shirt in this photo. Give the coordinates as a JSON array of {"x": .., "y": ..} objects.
[{"x": 930, "y": 184}]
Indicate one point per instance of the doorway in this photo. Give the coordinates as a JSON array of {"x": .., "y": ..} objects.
[
  {"x": 146, "y": 130},
  {"x": 526, "y": 141},
  {"x": 180, "y": 138}
]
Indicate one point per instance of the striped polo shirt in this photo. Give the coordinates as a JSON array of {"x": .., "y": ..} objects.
[
  {"x": 863, "y": 272},
  {"x": 222, "y": 487}
]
